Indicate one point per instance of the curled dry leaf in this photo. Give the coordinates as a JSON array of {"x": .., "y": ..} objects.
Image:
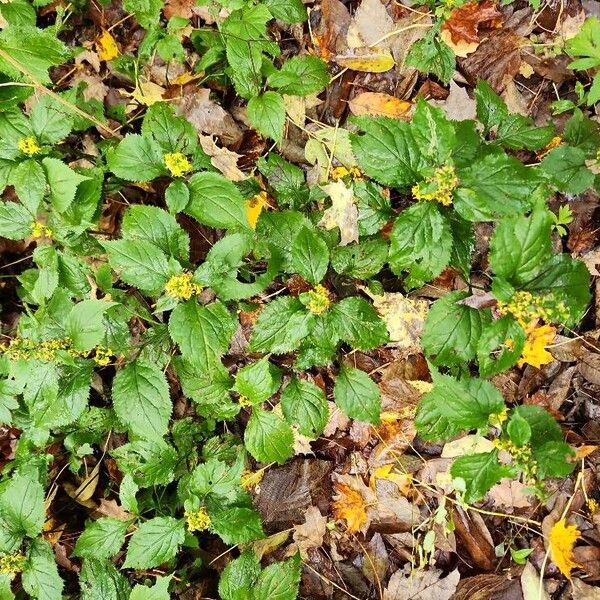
[
  {"x": 422, "y": 585},
  {"x": 221, "y": 158},
  {"x": 461, "y": 29},
  {"x": 379, "y": 105}
]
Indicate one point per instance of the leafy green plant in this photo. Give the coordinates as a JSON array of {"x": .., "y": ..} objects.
[{"x": 585, "y": 47}]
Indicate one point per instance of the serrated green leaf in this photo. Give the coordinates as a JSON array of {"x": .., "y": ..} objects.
[
  {"x": 268, "y": 437},
  {"x": 15, "y": 221},
  {"x": 310, "y": 255},
  {"x": 518, "y": 430},
  {"x": 137, "y": 158},
  {"x": 237, "y": 525},
  {"x": 304, "y": 404},
  {"x": 266, "y": 113},
  {"x": 22, "y": 505},
  {"x": 566, "y": 168},
  {"x": 159, "y": 591},
  {"x": 258, "y": 381},
  {"x": 279, "y": 581},
  {"x": 141, "y": 399},
  {"x": 431, "y": 55},
  {"x": 357, "y": 323},
  {"x": 101, "y": 539},
  {"x": 100, "y": 580},
  {"x": 500, "y": 346},
  {"x": 357, "y": 395},
  {"x": 301, "y": 75},
  {"x": 30, "y": 183},
  {"x": 155, "y": 541},
  {"x": 40, "y": 574},
  {"x": 239, "y": 576},
  {"x": 85, "y": 326}
]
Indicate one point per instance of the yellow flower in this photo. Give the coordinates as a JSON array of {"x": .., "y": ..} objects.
[
  {"x": 243, "y": 401},
  {"x": 26, "y": 349},
  {"x": 254, "y": 206},
  {"x": 39, "y": 230},
  {"x": 562, "y": 539},
  {"x": 177, "y": 164},
  {"x": 534, "y": 351},
  {"x": 438, "y": 187},
  {"x": 12, "y": 563},
  {"x": 592, "y": 506},
  {"x": 182, "y": 287},
  {"x": 28, "y": 145},
  {"x": 527, "y": 308},
  {"x": 197, "y": 521},
  {"x": 102, "y": 355},
  {"x": 251, "y": 479},
  {"x": 339, "y": 172},
  {"x": 318, "y": 300},
  {"x": 497, "y": 419}
]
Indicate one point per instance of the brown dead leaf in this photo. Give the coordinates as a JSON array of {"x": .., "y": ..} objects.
[
  {"x": 531, "y": 584},
  {"x": 458, "y": 106},
  {"x": 376, "y": 560},
  {"x": 110, "y": 508},
  {"x": 461, "y": 30},
  {"x": 311, "y": 533},
  {"x": 509, "y": 494},
  {"x": 422, "y": 585},
  {"x": 584, "y": 591},
  {"x": 222, "y": 159},
  {"x": 371, "y": 22},
  {"x": 378, "y": 104},
  {"x": 474, "y": 537},
  {"x": 330, "y": 34},
  {"x": 343, "y": 212},
  {"x": 489, "y": 586}
]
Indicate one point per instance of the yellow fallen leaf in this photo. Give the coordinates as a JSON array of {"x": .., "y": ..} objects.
[
  {"x": 254, "y": 206},
  {"x": 106, "y": 46},
  {"x": 367, "y": 60},
  {"x": 584, "y": 451},
  {"x": 349, "y": 505},
  {"x": 147, "y": 93},
  {"x": 402, "y": 480},
  {"x": 534, "y": 352},
  {"x": 378, "y": 104},
  {"x": 186, "y": 77},
  {"x": 343, "y": 212},
  {"x": 562, "y": 539}
]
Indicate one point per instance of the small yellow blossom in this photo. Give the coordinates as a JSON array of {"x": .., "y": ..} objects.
[
  {"x": 254, "y": 206},
  {"x": 534, "y": 351},
  {"x": 561, "y": 540},
  {"x": 438, "y": 187},
  {"x": 198, "y": 520},
  {"x": 250, "y": 479},
  {"x": 521, "y": 455},
  {"x": 27, "y": 349},
  {"x": 177, "y": 164},
  {"x": 28, "y": 145},
  {"x": 243, "y": 401},
  {"x": 318, "y": 300},
  {"x": 553, "y": 143},
  {"x": 39, "y": 230},
  {"x": 592, "y": 506},
  {"x": 497, "y": 419},
  {"x": 527, "y": 308},
  {"x": 182, "y": 287},
  {"x": 12, "y": 563},
  {"x": 102, "y": 355},
  {"x": 340, "y": 172}
]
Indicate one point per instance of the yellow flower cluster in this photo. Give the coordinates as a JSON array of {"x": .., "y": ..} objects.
[
  {"x": 497, "y": 419},
  {"x": 28, "y": 145},
  {"x": 102, "y": 355},
  {"x": 177, "y": 164},
  {"x": 26, "y": 349},
  {"x": 198, "y": 520},
  {"x": 39, "y": 230},
  {"x": 12, "y": 563},
  {"x": 527, "y": 308},
  {"x": 251, "y": 479},
  {"x": 243, "y": 401},
  {"x": 340, "y": 172},
  {"x": 182, "y": 287},
  {"x": 318, "y": 300},
  {"x": 438, "y": 187},
  {"x": 521, "y": 455}
]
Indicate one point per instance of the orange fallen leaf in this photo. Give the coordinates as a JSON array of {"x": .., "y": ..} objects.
[
  {"x": 584, "y": 451},
  {"x": 350, "y": 506},
  {"x": 366, "y": 60},
  {"x": 461, "y": 29},
  {"x": 379, "y": 104},
  {"x": 106, "y": 46},
  {"x": 562, "y": 539}
]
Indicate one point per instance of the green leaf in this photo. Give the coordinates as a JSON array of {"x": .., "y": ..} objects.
[
  {"x": 84, "y": 324},
  {"x": 301, "y": 75},
  {"x": 281, "y": 326},
  {"x": 15, "y": 221},
  {"x": 40, "y": 576},
  {"x": 159, "y": 591},
  {"x": 177, "y": 196},
  {"x": 288, "y": 11},
  {"x": 451, "y": 332},
  {"x": 552, "y": 459},
  {"x": 279, "y": 581},
  {"x": 237, "y": 525},
  {"x": 387, "y": 151},
  {"x": 139, "y": 263},
  {"x": 357, "y": 395},
  {"x": 431, "y": 55},
  {"x": 287, "y": 181},
  {"x": 268, "y": 437},
  {"x": 310, "y": 255},
  {"x": 480, "y": 472},
  {"x": 491, "y": 109},
  {"x": 22, "y": 505},
  {"x": 568, "y": 280},
  {"x": 29, "y": 180},
  {"x": 266, "y": 113},
  {"x": 147, "y": 462},
  {"x": 585, "y": 44},
  {"x": 433, "y": 133},
  {"x": 581, "y": 132},
  {"x": 215, "y": 201},
  {"x": 35, "y": 50},
  {"x": 18, "y": 13},
  {"x": 520, "y": 245},
  {"x": 279, "y": 228},
  {"x": 518, "y": 430},
  {"x": 147, "y": 12},
  {"x": 566, "y": 168},
  {"x": 217, "y": 479},
  {"x": 494, "y": 186},
  {"x": 100, "y": 580},
  {"x": 463, "y": 244},
  {"x": 304, "y": 404},
  {"x": 155, "y": 541},
  {"x": 258, "y": 381},
  {"x": 158, "y": 227},
  {"x": 239, "y": 576},
  {"x": 203, "y": 333},
  {"x": 421, "y": 243},
  {"x": 141, "y": 399},
  {"x": 357, "y": 323},
  {"x": 173, "y": 133},
  {"x": 361, "y": 261},
  {"x": 101, "y": 539},
  {"x": 136, "y": 158},
  {"x": 500, "y": 346},
  {"x": 49, "y": 121},
  {"x": 544, "y": 427}
]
